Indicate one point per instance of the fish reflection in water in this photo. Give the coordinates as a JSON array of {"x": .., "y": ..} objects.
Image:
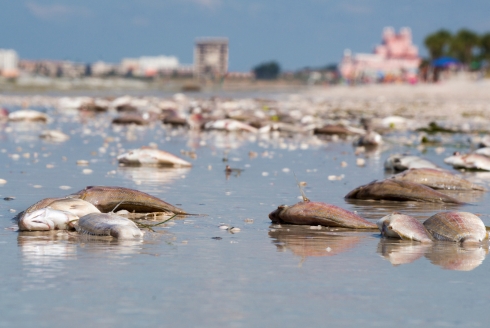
[
  {"x": 152, "y": 175},
  {"x": 401, "y": 252},
  {"x": 457, "y": 257},
  {"x": 447, "y": 255},
  {"x": 304, "y": 241},
  {"x": 114, "y": 248},
  {"x": 44, "y": 255}
]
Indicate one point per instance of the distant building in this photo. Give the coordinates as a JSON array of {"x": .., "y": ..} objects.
[
  {"x": 397, "y": 57},
  {"x": 53, "y": 68},
  {"x": 9, "y": 63},
  {"x": 101, "y": 68},
  {"x": 148, "y": 66},
  {"x": 211, "y": 57}
]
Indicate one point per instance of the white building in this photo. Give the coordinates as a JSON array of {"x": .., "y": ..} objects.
[
  {"x": 149, "y": 66},
  {"x": 211, "y": 57},
  {"x": 101, "y": 68},
  {"x": 9, "y": 63}
]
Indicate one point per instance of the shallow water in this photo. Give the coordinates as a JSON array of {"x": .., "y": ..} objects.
[{"x": 191, "y": 273}]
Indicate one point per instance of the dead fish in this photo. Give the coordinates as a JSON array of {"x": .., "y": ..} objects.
[
  {"x": 485, "y": 151},
  {"x": 130, "y": 119},
  {"x": 107, "y": 199},
  {"x": 370, "y": 139},
  {"x": 401, "y": 226},
  {"x": 436, "y": 179},
  {"x": 76, "y": 206},
  {"x": 229, "y": 125},
  {"x": 331, "y": 129},
  {"x": 54, "y": 135},
  {"x": 317, "y": 213},
  {"x": 28, "y": 115},
  {"x": 108, "y": 224},
  {"x": 400, "y": 162},
  {"x": 47, "y": 219},
  {"x": 469, "y": 161},
  {"x": 396, "y": 190},
  {"x": 151, "y": 156},
  {"x": 457, "y": 227}
]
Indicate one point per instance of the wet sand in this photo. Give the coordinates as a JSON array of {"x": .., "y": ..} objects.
[{"x": 192, "y": 273}]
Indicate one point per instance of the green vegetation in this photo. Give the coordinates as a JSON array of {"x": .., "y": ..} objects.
[
  {"x": 267, "y": 71},
  {"x": 465, "y": 45}
]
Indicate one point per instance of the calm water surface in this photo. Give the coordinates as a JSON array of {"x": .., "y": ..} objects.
[{"x": 265, "y": 275}]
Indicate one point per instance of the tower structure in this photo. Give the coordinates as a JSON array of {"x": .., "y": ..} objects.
[{"x": 211, "y": 57}]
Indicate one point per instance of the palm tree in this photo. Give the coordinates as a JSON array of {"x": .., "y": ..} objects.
[
  {"x": 464, "y": 44},
  {"x": 438, "y": 43},
  {"x": 485, "y": 46}
]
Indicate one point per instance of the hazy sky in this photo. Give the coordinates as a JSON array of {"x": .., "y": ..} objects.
[{"x": 295, "y": 33}]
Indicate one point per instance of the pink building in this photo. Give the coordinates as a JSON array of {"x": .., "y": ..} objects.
[{"x": 396, "y": 57}]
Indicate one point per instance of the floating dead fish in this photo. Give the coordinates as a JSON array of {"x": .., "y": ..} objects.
[
  {"x": 436, "y": 179},
  {"x": 151, "y": 156},
  {"x": 317, "y": 213},
  {"x": 106, "y": 199},
  {"x": 28, "y": 115},
  {"x": 338, "y": 130},
  {"x": 485, "y": 151},
  {"x": 396, "y": 190},
  {"x": 457, "y": 227},
  {"x": 130, "y": 119},
  {"x": 229, "y": 125},
  {"x": 47, "y": 219},
  {"x": 370, "y": 139},
  {"x": 400, "y": 162},
  {"x": 108, "y": 224},
  {"x": 175, "y": 120},
  {"x": 54, "y": 135},
  {"x": 469, "y": 161},
  {"x": 76, "y": 206},
  {"x": 401, "y": 226},
  {"x": 282, "y": 127}
]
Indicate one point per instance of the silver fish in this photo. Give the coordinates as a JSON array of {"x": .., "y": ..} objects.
[
  {"x": 469, "y": 161},
  {"x": 397, "y": 225},
  {"x": 457, "y": 227},
  {"x": 150, "y": 156},
  {"x": 108, "y": 224},
  {"x": 400, "y": 162},
  {"x": 436, "y": 179},
  {"x": 390, "y": 189},
  {"x": 317, "y": 213},
  {"x": 47, "y": 219}
]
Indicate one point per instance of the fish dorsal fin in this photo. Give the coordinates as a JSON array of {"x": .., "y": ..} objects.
[
  {"x": 305, "y": 199},
  {"x": 112, "y": 212}
]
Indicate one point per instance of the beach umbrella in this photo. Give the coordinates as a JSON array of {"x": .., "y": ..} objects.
[{"x": 445, "y": 62}]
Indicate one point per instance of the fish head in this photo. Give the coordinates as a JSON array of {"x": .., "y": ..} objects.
[
  {"x": 126, "y": 232},
  {"x": 275, "y": 215},
  {"x": 36, "y": 221},
  {"x": 471, "y": 239}
]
